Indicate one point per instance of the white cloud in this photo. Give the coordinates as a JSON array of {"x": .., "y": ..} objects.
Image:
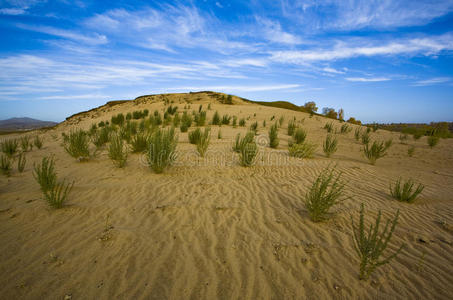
[
  {"x": 74, "y": 97},
  {"x": 273, "y": 32},
  {"x": 433, "y": 81},
  {"x": 238, "y": 88},
  {"x": 13, "y": 11},
  {"x": 332, "y": 70},
  {"x": 369, "y": 79}
]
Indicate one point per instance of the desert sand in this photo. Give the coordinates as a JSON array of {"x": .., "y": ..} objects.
[{"x": 208, "y": 228}]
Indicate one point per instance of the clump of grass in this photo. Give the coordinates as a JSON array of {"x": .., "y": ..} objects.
[
  {"x": 45, "y": 174},
  {"x": 365, "y": 138},
  {"x": 432, "y": 141},
  {"x": 25, "y": 143},
  {"x": 100, "y": 137},
  {"x": 58, "y": 194},
  {"x": 235, "y": 121},
  {"x": 330, "y": 145},
  {"x": 242, "y": 122},
  {"x": 281, "y": 120},
  {"x": 329, "y": 127},
  {"x": 345, "y": 128},
  {"x": 200, "y": 118},
  {"x": 21, "y": 161},
  {"x": 77, "y": 145},
  {"x": 375, "y": 151},
  {"x": 370, "y": 244},
  {"x": 406, "y": 192},
  {"x": 9, "y": 147},
  {"x": 241, "y": 142},
  {"x": 186, "y": 122},
  {"x": 357, "y": 133},
  {"x": 326, "y": 191},
  {"x": 299, "y": 136},
  {"x": 140, "y": 142},
  {"x": 117, "y": 150},
  {"x": 273, "y": 136},
  {"x": 216, "y": 119},
  {"x": 219, "y": 134},
  {"x": 161, "y": 153},
  {"x": 254, "y": 127},
  {"x": 203, "y": 141},
  {"x": 226, "y": 119},
  {"x": 38, "y": 142},
  {"x": 291, "y": 128},
  {"x": 302, "y": 150},
  {"x": 5, "y": 165},
  {"x": 410, "y": 151},
  {"x": 194, "y": 136},
  {"x": 248, "y": 154}
]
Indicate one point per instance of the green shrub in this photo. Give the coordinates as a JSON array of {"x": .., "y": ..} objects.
[
  {"x": 161, "y": 153},
  {"x": 216, "y": 119},
  {"x": 200, "y": 118},
  {"x": 195, "y": 136},
  {"x": 21, "y": 162},
  {"x": 117, "y": 150},
  {"x": 101, "y": 124},
  {"x": 357, "y": 133},
  {"x": 242, "y": 122},
  {"x": 128, "y": 116},
  {"x": 299, "y": 136},
  {"x": 235, "y": 121},
  {"x": 370, "y": 244},
  {"x": 140, "y": 142},
  {"x": 118, "y": 119},
  {"x": 365, "y": 138},
  {"x": 58, "y": 194},
  {"x": 248, "y": 154},
  {"x": 376, "y": 151},
  {"x": 281, "y": 120},
  {"x": 176, "y": 120},
  {"x": 330, "y": 145},
  {"x": 326, "y": 191},
  {"x": 172, "y": 109},
  {"x": 77, "y": 145},
  {"x": 254, "y": 127},
  {"x": 219, "y": 134},
  {"x": 432, "y": 141},
  {"x": 5, "y": 165},
  {"x": 405, "y": 193},
  {"x": 291, "y": 128},
  {"x": 45, "y": 174},
  {"x": 273, "y": 136},
  {"x": 203, "y": 141},
  {"x": 329, "y": 127},
  {"x": 38, "y": 142},
  {"x": 25, "y": 143},
  {"x": 345, "y": 128},
  {"x": 410, "y": 151},
  {"x": 100, "y": 137},
  {"x": 226, "y": 119},
  {"x": 302, "y": 150},
  {"x": 9, "y": 147},
  {"x": 241, "y": 142},
  {"x": 417, "y": 135},
  {"x": 186, "y": 121}
]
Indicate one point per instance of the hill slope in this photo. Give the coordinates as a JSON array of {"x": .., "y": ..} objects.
[{"x": 24, "y": 124}]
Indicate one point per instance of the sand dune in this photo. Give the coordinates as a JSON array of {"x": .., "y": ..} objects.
[{"x": 221, "y": 231}]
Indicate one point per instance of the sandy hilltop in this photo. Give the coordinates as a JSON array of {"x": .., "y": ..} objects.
[{"x": 209, "y": 228}]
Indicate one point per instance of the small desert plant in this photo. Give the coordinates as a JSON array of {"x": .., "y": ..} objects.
[
  {"x": 370, "y": 244},
  {"x": 186, "y": 121},
  {"x": 375, "y": 151},
  {"x": 345, "y": 128},
  {"x": 326, "y": 191},
  {"x": 329, "y": 127},
  {"x": 330, "y": 145},
  {"x": 405, "y": 193},
  {"x": 254, "y": 127},
  {"x": 117, "y": 150},
  {"x": 235, "y": 121},
  {"x": 281, "y": 120},
  {"x": 219, "y": 134},
  {"x": 200, "y": 118},
  {"x": 273, "y": 136},
  {"x": 9, "y": 147},
  {"x": 5, "y": 165},
  {"x": 100, "y": 137},
  {"x": 38, "y": 142},
  {"x": 203, "y": 141},
  {"x": 388, "y": 143},
  {"x": 303, "y": 150},
  {"x": 161, "y": 153},
  {"x": 176, "y": 120},
  {"x": 242, "y": 122},
  {"x": 248, "y": 154},
  {"x": 403, "y": 138},
  {"x": 58, "y": 194},
  {"x": 45, "y": 174},
  {"x": 77, "y": 145},
  {"x": 194, "y": 136},
  {"x": 410, "y": 151},
  {"x": 291, "y": 128},
  {"x": 21, "y": 160},
  {"x": 299, "y": 136},
  {"x": 216, "y": 119},
  {"x": 241, "y": 142},
  {"x": 226, "y": 119},
  {"x": 264, "y": 123},
  {"x": 368, "y": 129},
  {"x": 25, "y": 143},
  {"x": 140, "y": 142},
  {"x": 432, "y": 141},
  {"x": 357, "y": 133},
  {"x": 365, "y": 138}
]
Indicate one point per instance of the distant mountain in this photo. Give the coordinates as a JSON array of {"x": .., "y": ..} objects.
[{"x": 23, "y": 124}]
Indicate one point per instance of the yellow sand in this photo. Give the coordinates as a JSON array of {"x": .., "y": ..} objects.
[{"x": 216, "y": 230}]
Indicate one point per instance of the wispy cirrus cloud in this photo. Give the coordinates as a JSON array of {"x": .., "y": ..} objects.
[
  {"x": 433, "y": 81},
  {"x": 239, "y": 88},
  {"x": 17, "y": 7},
  {"x": 367, "y": 79}
]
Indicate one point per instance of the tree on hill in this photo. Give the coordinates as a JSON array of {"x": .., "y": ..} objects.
[
  {"x": 229, "y": 100},
  {"x": 329, "y": 112},
  {"x": 310, "y": 107},
  {"x": 341, "y": 114}
]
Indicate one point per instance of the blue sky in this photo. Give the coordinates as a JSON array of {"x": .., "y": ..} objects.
[{"x": 385, "y": 61}]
